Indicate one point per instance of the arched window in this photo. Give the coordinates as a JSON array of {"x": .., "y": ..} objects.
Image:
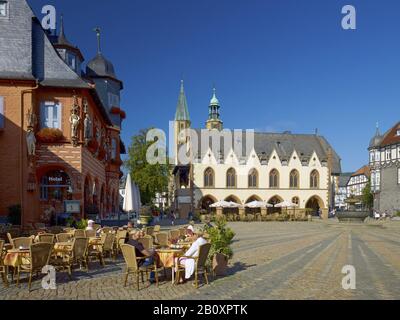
[
  {"x": 314, "y": 180},
  {"x": 274, "y": 179},
  {"x": 209, "y": 178},
  {"x": 231, "y": 178},
  {"x": 294, "y": 179},
  {"x": 253, "y": 179},
  {"x": 296, "y": 200}
]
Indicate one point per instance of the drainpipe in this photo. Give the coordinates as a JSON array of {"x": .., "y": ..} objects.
[{"x": 21, "y": 149}]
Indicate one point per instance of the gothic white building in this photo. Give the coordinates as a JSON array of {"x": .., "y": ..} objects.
[{"x": 271, "y": 167}]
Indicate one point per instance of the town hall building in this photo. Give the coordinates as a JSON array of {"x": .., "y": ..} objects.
[{"x": 274, "y": 167}]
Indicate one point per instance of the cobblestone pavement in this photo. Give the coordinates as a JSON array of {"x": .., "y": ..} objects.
[{"x": 272, "y": 261}]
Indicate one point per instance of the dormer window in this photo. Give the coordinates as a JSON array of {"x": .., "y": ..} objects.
[
  {"x": 3, "y": 9},
  {"x": 398, "y": 133},
  {"x": 71, "y": 61}
]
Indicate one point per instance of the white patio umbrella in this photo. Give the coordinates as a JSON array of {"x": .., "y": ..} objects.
[
  {"x": 286, "y": 204},
  {"x": 234, "y": 205},
  {"x": 258, "y": 204},
  {"x": 221, "y": 204}
]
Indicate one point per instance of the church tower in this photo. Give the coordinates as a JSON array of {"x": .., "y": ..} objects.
[
  {"x": 214, "y": 121},
  {"x": 182, "y": 121}
]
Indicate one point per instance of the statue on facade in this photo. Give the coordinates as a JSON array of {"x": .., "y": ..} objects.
[
  {"x": 75, "y": 121},
  {"x": 31, "y": 143},
  {"x": 87, "y": 128},
  {"x": 31, "y": 120}
]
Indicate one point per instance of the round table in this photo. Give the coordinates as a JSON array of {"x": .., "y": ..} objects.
[{"x": 167, "y": 259}]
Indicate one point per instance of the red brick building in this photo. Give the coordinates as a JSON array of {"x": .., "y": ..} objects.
[{"x": 59, "y": 126}]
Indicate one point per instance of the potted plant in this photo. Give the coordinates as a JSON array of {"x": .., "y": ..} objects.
[
  {"x": 146, "y": 216},
  {"x": 221, "y": 252},
  {"x": 49, "y": 135}
]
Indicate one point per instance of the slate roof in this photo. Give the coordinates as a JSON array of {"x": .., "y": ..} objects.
[
  {"x": 26, "y": 51},
  {"x": 283, "y": 143},
  {"x": 344, "y": 179}
]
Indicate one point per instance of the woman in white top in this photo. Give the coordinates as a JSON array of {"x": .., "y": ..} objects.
[
  {"x": 189, "y": 264},
  {"x": 90, "y": 226}
]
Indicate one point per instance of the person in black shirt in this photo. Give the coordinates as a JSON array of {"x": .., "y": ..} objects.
[{"x": 141, "y": 252}]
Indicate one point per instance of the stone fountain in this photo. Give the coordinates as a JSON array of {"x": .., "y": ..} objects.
[{"x": 352, "y": 215}]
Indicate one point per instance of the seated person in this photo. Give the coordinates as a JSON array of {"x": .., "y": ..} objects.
[
  {"x": 189, "y": 232},
  {"x": 141, "y": 252},
  {"x": 189, "y": 264},
  {"x": 90, "y": 226}
]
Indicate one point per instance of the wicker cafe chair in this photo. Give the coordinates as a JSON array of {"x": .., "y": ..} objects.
[
  {"x": 70, "y": 257},
  {"x": 108, "y": 245},
  {"x": 147, "y": 242},
  {"x": 132, "y": 266},
  {"x": 149, "y": 231},
  {"x": 174, "y": 234},
  {"x": 3, "y": 269},
  {"x": 106, "y": 230},
  {"x": 120, "y": 240},
  {"x": 64, "y": 237},
  {"x": 22, "y": 242},
  {"x": 10, "y": 238},
  {"x": 162, "y": 239},
  {"x": 39, "y": 257},
  {"x": 79, "y": 233},
  {"x": 47, "y": 238},
  {"x": 90, "y": 233},
  {"x": 182, "y": 232},
  {"x": 157, "y": 228},
  {"x": 200, "y": 264}
]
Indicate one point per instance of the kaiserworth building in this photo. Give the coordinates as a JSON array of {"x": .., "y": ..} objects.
[
  {"x": 384, "y": 160},
  {"x": 270, "y": 167},
  {"x": 60, "y": 126}
]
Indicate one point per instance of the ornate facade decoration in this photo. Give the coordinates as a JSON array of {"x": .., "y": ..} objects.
[{"x": 75, "y": 121}]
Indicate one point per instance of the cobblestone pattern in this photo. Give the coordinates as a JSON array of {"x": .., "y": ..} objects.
[{"x": 272, "y": 261}]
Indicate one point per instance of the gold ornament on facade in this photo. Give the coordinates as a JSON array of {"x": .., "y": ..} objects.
[{"x": 75, "y": 121}]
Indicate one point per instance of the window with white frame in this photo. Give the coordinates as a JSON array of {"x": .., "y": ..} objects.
[
  {"x": 3, "y": 9},
  {"x": 2, "y": 117},
  {"x": 387, "y": 155},
  {"x": 71, "y": 61},
  {"x": 398, "y": 175},
  {"x": 50, "y": 115}
]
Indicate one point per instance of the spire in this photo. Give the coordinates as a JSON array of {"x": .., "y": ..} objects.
[
  {"x": 378, "y": 133},
  {"x": 214, "y": 101},
  {"x": 98, "y": 34},
  {"x": 62, "y": 39},
  {"x": 182, "y": 112}
]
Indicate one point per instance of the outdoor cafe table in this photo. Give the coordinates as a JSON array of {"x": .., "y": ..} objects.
[
  {"x": 17, "y": 257},
  {"x": 168, "y": 257}
]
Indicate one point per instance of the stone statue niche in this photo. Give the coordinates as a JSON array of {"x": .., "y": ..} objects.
[
  {"x": 75, "y": 121},
  {"x": 88, "y": 134},
  {"x": 30, "y": 135}
]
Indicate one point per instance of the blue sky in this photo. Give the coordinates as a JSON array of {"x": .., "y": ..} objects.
[{"x": 277, "y": 64}]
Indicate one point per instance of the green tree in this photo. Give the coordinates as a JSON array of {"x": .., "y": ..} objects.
[
  {"x": 150, "y": 178},
  {"x": 368, "y": 196}
]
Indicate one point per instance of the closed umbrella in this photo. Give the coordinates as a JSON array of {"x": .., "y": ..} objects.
[{"x": 128, "y": 205}]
